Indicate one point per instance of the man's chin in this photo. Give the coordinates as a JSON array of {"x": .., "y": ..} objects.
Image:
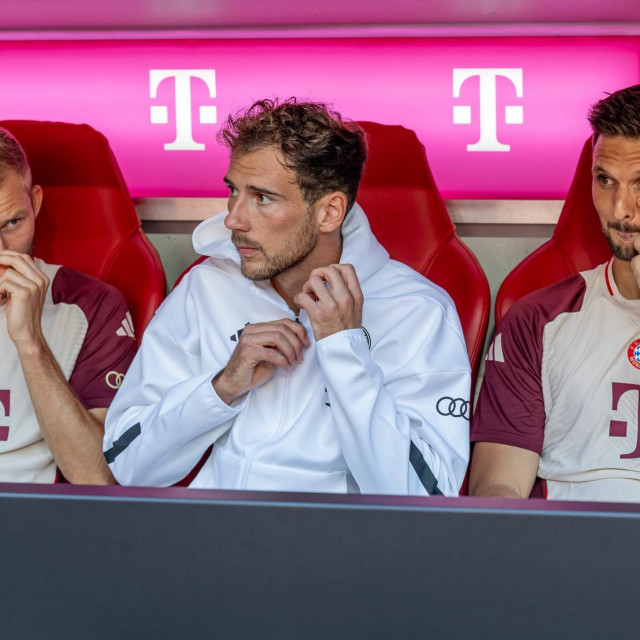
[
  {"x": 254, "y": 277},
  {"x": 625, "y": 252},
  {"x": 253, "y": 272}
]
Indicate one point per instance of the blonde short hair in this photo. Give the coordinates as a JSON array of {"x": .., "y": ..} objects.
[{"x": 13, "y": 158}]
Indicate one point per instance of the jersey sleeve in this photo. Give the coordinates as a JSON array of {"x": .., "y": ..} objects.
[
  {"x": 511, "y": 407},
  {"x": 109, "y": 345}
]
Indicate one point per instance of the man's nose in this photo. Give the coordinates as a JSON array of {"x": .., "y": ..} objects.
[
  {"x": 626, "y": 203},
  {"x": 237, "y": 218}
]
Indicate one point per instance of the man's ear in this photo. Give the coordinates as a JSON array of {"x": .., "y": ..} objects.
[
  {"x": 36, "y": 199},
  {"x": 331, "y": 211}
]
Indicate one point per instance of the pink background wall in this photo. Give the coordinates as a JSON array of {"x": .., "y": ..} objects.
[{"x": 396, "y": 81}]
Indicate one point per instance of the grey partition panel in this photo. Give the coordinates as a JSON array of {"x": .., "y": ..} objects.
[{"x": 180, "y": 564}]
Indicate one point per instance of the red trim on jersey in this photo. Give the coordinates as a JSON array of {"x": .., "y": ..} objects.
[{"x": 606, "y": 277}]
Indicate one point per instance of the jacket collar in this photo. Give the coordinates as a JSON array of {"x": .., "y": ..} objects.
[{"x": 360, "y": 247}]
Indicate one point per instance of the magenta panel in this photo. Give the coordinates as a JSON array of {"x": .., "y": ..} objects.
[{"x": 500, "y": 117}]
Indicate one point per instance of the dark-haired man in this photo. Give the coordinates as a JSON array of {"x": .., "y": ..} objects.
[
  {"x": 308, "y": 358},
  {"x": 560, "y": 397},
  {"x": 60, "y": 347}
]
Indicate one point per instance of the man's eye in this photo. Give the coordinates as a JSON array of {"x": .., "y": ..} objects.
[
  {"x": 262, "y": 199},
  {"x": 604, "y": 180},
  {"x": 12, "y": 223},
  {"x": 232, "y": 191}
]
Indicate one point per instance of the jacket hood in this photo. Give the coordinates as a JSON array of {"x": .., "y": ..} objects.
[{"x": 360, "y": 247}]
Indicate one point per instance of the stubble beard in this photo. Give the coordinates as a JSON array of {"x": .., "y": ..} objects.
[
  {"x": 626, "y": 253},
  {"x": 296, "y": 251}
]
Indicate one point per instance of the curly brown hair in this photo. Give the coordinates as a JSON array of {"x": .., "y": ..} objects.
[
  {"x": 325, "y": 153},
  {"x": 618, "y": 114}
]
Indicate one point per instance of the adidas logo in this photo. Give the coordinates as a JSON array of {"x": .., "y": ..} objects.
[
  {"x": 126, "y": 327},
  {"x": 495, "y": 350},
  {"x": 236, "y": 336},
  {"x": 367, "y": 335}
]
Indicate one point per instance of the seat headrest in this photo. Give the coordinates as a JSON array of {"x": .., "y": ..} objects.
[
  {"x": 87, "y": 212},
  {"x": 578, "y": 231},
  {"x": 60, "y": 153},
  {"x": 400, "y": 196}
]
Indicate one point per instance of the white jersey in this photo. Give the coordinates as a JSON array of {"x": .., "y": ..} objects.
[
  {"x": 563, "y": 379},
  {"x": 366, "y": 410},
  {"x": 80, "y": 319}
]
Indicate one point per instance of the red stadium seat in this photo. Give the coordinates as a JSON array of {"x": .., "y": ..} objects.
[
  {"x": 408, "y": 216},
  {"x": 88, "y": 221},
  {"x": 577, "y": 243}
]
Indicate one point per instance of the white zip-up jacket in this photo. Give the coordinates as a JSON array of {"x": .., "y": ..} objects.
[{"x": 382, "y": 409}]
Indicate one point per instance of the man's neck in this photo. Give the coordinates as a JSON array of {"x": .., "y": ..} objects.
[
  {"x": 290, "y": 282},
  {"x": 625, "y": 279}
]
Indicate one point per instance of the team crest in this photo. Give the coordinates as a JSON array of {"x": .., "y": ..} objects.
[{"x": 633, "y": 353}]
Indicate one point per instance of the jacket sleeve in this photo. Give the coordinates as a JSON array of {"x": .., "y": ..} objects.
[
  {"x": 165, "y": 414},
  {"x": 404, "y": 431}
]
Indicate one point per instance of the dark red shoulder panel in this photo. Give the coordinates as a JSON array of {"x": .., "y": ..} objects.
[
  {"x": 510, "y": 408},
  {"x": 109, "y": 345}
]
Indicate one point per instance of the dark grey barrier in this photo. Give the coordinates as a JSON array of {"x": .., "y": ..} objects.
[{"x": 92, "y": 563}]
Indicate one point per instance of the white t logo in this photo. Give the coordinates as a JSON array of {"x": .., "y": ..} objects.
[
  {"x": 160, "y": 114},
  {"x": 488, "y": 116}
]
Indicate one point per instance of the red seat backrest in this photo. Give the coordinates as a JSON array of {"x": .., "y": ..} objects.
[
  {"x": 408, "y": 216},
  {"x": 88, "y": 221},
  {"x": 577, "y": 243}
]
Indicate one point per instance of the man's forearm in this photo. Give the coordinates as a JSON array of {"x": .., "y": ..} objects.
[
  {"x": 71, "y": 432},
  {"x": 502, "y": 471},
  {"x": 494, "y": 490},
  {"x": 177, "y": 420}
]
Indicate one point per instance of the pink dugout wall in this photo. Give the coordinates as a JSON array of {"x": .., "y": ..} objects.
[{"x": 500, "y": 117}]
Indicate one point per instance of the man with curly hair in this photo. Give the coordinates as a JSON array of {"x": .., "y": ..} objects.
[{"x": 298, "y": 349}]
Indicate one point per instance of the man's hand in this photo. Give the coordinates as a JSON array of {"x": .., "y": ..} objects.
[
  {"x": 260, "y": 350},
  {"x": 24, "y": 287},
  {"x": 333, "y": 299}
]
